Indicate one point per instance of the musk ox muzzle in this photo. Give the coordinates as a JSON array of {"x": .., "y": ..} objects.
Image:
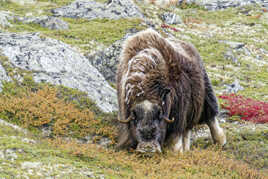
[{"x": 152, "y": 146}]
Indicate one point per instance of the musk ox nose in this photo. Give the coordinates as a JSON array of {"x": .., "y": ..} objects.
[
  {"x": 145, "y": 147},
  {"x": 148, "y": 133}
]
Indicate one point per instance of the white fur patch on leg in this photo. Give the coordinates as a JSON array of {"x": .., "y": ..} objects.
[
  {"x": 178, "y": 146},
  {"x": 187, "y": 140},
  {"x": 217, "y": 132},
  {"x": 162, "y": 3}
]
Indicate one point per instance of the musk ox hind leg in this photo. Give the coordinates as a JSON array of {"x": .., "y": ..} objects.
[
  {"x": 217, "y": 132},
  {"x": 210, "y": 110}
]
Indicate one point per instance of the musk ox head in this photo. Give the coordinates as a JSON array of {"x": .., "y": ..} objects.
[
  {"x": 148, "y": 123},
  {"x": 144, "y": 92}
]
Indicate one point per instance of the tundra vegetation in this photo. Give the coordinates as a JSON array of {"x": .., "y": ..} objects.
[{"x": 69, "y": 116}]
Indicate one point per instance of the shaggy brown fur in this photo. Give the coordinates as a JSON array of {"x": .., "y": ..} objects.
[{"x": 150, "y": 64}]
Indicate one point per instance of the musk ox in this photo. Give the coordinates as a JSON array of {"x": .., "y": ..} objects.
[{"x": 163, "y": 92}]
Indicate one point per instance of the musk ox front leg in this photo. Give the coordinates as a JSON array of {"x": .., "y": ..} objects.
[
  {"x": 178, "y": 143},
  {"x": 187, "y": 140},
  {"x": 216, "y": 131},
  {"x": 182, "y": 142}
]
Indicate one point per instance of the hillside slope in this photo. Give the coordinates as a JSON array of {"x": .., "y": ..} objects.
[{"x": 57, "y": 76}]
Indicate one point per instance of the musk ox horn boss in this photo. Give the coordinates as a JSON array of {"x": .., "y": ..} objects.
[{"x": 163, "y": 92}]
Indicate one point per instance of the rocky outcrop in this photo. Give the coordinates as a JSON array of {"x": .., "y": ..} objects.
[
  {"x": 114, "y": 9},
  {"x": 234, "y": 87},
  {"x": 50, "y": 22},
  {"x": 171, "y": 18},
  {"x": 5, "y": 17},
  {"x": 216, "y": 4},
  {"x": 57, "y": 63},
  {"x": 106, "y": 60}
]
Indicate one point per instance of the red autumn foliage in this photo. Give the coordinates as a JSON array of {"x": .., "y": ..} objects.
[
  {"x": 165, "y": 26},
  {"x": 249, "y": 109}
]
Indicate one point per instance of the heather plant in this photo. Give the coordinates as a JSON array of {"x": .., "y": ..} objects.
[
  {"x": 249, "y": 109},
  {"x": 44, "y": 107}
]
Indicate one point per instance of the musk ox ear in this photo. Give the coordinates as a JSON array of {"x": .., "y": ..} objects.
[{"x": 166, "y": 104}]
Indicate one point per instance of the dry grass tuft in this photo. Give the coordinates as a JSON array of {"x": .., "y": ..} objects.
[{"x": 199, "y": 163}]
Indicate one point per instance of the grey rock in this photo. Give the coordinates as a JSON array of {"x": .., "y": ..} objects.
[
  {"x": 50, "y": 22},
  {"x": 90, "y": 139},
  {"x": 57, "y": 63},
  {"x": 106, "y": 61},
  {"x": 233, "y": 45},
  {"x": 104, "y": 142},
  {"x": 3, "y": 77},
  {"x": 171, "y": 18},
  {"x": 2, "y": 155},
  {"x": 27, "y": 165},
  {"x": 247, "y": 52},
  {"x": 2, "y": 122},
  {"x": 115, "y": 9},
  {"x": 10, "y": 154},
  {"x": 29, "y": 141},
  {"x": 234, "y": 87},
  {"x": 263, "y": 51},
  {"x": 218, "y": 4},
  {"x": 5, "y": 17},
  {"x": 88, "y": 174},
  {"x": 229, "y": 55},
  {"x": 46, "y": 131}
]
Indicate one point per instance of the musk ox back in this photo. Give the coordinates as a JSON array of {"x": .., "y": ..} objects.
[{"x": 163, "y": 92}]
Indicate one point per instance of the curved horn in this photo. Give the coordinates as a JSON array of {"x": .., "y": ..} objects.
[
  {"x": 168, "y": 120},
  {"x": 125, "y": 121}
]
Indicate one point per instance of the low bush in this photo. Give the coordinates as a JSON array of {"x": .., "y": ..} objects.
[
  {"x": 249, "y": 109},
  {"x": 43, "y": 107}
]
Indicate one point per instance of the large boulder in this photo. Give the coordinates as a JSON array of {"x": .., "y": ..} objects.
[
  {"x": 216, "y": 4},
  {"x": 114, "y": 9},
  {"x": 106, "y": 60},
  {"x": 57, "y": 63}
]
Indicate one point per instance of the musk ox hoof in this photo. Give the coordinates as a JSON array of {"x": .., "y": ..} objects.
[
  {"x": 178, "y": 146},
  {"x": 178, "y": 149},
  {"x": 220, "y": 138}
]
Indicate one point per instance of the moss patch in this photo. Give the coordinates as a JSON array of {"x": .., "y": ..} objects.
[
  {"x": 37, "y": 8},
  {"x": 249, "y": 143},
  {"x": 85, "y": 34},
  {"x": 26, "y": 155},
  {"x": 104, "y": 31}
]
